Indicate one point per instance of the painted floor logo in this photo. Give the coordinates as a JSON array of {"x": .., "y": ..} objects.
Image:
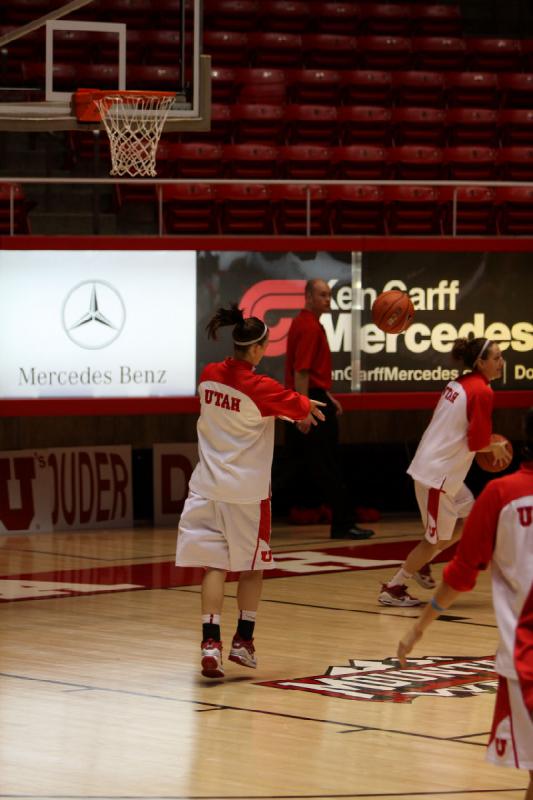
[{"x": 383, "y": 681}]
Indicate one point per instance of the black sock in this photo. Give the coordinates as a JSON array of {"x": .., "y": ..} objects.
[
  {"x": 245, "y": 629},
  {"x": 211, "y": 631}
]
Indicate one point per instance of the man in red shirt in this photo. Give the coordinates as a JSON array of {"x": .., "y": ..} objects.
[{"x": 308, "y": 371}]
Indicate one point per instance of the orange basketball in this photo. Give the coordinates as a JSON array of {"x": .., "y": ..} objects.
[
  {"x": 393, "y": 311},
  {"x": 486, "y": 460}
]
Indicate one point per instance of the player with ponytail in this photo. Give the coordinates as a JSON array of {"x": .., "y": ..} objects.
[{"x": 225, "y": 524}]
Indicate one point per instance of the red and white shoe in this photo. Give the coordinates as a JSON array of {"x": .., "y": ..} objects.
[
  {"x": 243, "y": 652},
  {"x": 424, "y": 578},
  {"x": 212, "y": 659},
  {"x": 397, "y": 596}
]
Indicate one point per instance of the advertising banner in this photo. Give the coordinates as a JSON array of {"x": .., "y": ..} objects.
[
  {"x": 69, "y": 488},
  {"x": 173, "y": 466},
  {"x": 104, "y": 323},
  {"x": 454, "y": 294}
]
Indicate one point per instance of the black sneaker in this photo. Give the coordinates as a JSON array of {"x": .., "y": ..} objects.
[{"x": 353, "y": 532}]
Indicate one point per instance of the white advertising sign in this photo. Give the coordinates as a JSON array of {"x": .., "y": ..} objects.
[
  {"x": 69, "y": 488},
  {"x": 106, "y": 323},
  {"x": 173, "y": 466}
]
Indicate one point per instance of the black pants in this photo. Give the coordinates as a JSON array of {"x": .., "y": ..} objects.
[{"x": 314, "y": 466}]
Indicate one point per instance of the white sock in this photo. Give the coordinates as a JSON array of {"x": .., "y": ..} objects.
[
  {"x": 248, "y": 615},
  {"x": 214, "y": 619},
  {"x": 400, "y": 578}
]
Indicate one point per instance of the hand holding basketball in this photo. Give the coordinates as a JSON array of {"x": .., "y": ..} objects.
[
  {"x": 393, "y": 311},
  {"x": 498, "y": 457}
]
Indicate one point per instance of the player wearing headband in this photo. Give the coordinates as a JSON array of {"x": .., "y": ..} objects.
[
  {"x": 499, "y": 531},
  {"x": 461, "y": 425},
  {"x": 225, "y": 524}
]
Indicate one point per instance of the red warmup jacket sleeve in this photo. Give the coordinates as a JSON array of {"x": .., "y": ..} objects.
[
  {"x": 523, "y": 654},
  {"x": 479, "y": 413},
  {"x": 274, "y": 400},
  {"x": 475, "y": 549}
]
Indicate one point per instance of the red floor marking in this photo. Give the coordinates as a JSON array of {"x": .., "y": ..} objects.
[{"x": 166, "y": 574}]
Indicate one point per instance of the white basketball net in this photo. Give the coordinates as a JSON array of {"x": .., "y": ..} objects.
[{"x": 134, "y": 124}]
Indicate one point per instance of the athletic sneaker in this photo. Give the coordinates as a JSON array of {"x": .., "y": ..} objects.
[
  {"x": 397, "y": 596},
  {"x": 243, "y": 652},
  {"x": 424, "y": 578},
  {"x": 212, "y": 659}
]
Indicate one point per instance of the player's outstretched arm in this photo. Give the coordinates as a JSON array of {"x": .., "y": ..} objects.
[{"x": 440, "y": 602}]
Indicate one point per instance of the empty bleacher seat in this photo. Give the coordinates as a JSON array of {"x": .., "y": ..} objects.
[
  {"x": 366, "y": 87},
  {"x": 515, "y": 163},
  {"x": 290, "y": 16},
  {"x": 436, "y": 19},
  {"x": 329, "y": 51},
  {"x": 468, "y": 210},
  {"x": 416, "y": 162},
  {"x": 230, "y": 15},
  {"x": 275, "y": 49},
  {"x": 413, "y": 210},
  {"x": 155, "y": 77},
  {"x": 227, "y": 48},
  {"x": 224, "y": 87},
  {"x": 516, "y": 126},
  {"x": 418, "y": 88},
  {"x": 190, "y": 208},
  {"x": 417, "y": 125},
  {"x": 439, "y": 52},
  {"x": 385, "y": 52},
  {"x": 305, "y": 162},
  {"x": 220, "y": 130},
  {"x": 260, "y": 85},
  {"x": 311, "y": 123},
  {"x": 493, "y": 54},
  {"x": 330, "y": 17},
  {"x": 244, "y": 209},
  {"x": 299, "y": 210},
  {"x": 473, "y": 126},
  {"x": 320, "y": 86},
  {"x": 514, "y": 210},
  {"x": 473, "y": 89},
  {"x": 386, "y": 19},
  {"x": 197, "y": 160},
  {"x": 470, "y": 162},
  {"x": 21, "y": 208},
  {"x": 356, "y": 210},
  {"x": 364, "y": 125},
  {"x": 516, "y": 89},
  {"x": 250, "y": 160},
  {"x": 258, "y": 122},
  {"x": 360, "y": 162}
]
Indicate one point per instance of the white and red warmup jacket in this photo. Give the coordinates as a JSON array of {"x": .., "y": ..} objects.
[
  {"x": 523, "y": 652},
  {"x": 499, "y": 530},
  {"x": 461, "y": 424},
  {"x": 236, "y": 431}
]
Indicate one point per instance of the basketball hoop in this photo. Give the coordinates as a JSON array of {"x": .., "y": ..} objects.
[{"x": 134, "y": 123}]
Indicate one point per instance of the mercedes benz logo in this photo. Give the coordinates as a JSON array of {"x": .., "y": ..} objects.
[{"x": 93, "y": 314}]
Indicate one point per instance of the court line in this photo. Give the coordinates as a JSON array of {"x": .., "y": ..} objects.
[
  {"x": 322, "y": 796},
  {"x": 352, "y": 727}
]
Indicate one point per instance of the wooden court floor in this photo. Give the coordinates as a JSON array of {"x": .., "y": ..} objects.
[{"x": 101, "y": 697}]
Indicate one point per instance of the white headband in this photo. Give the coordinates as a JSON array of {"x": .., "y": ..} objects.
[
  {"x": 253, "y": 341},
  {"x": 480, "y": 354}
]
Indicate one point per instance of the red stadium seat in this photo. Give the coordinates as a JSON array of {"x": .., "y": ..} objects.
[
  {"x": 516, "y": 89},
  {"x": 474, "y": 209},
  {"x": 318, "y": 86},
  {"x": 258, "y": 85},
  {"x": 198, "y": 160},
  {"x": 473, "y": 89},
  {"x": 470, "y": 162},
  {"x": 472, "y": 126},
  {"x": 385, "y": 52},
  {"x": 343, "y": 18},
  {"x": 21, "y": 208},
  {"x": 275, "y": 49},
  {"x": 364, "y": 125},
  {"x": 258, "y": 122},
  {"x": 514, "y": 210},
  {"x": 223, "y": 85},
  {"x": 492, "y": 54},
  {"x": 356, "y": 210},
  {"x": 150, "y": 76},
  {"x": 250, "y": 161},
  {"x": 439, "y": 52},
  {"x": 366, "y": 87},
  {"x": 329, "y": 51},
  {"x": 416, "y": 162},
  {"x": 516, "y": 127},
  {"x": 154, "y": 47},
  {"x": 412, "y": 210},
  {"x": 227, "y": 48},
  {"x": 387, "y": 19},
  {"x": 428, "y": 19},
  {"x": 221, "y": 130},
  {"x": 418, "y": 88},
  {"x": 291, "y": 206},
  {"x": 244, "y": 209},
  {"x": 305, "y": 162},
  {"x": 291, "y": 16},
  {"x": 311, "y": 124},
  {"x": 190, "y": 208},
  {"x": 515, "y": 163},
  {"x": 360, "y": 162},
  {"x": 230, "y": 15},
  {"x": 418, "y": 125},
  {"x": 527, "y": 55}
]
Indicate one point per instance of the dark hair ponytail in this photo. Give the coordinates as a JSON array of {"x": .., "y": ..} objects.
[
  {"x": 246, "y": 331},
  {"x": 469, "y": 350}
]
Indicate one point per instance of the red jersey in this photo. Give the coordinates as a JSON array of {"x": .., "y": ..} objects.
[
  {"x": 308, "y": 349},
  {"x": 523, "y": 653},
  {"x": 461, "y": 425},
  {"x": 236, "y": 430},
  {"x": 499, "y": 530}
]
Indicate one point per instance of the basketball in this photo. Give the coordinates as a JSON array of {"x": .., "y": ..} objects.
[
  {"x": 393, "y": 311},
  {"x": 486, "y": 460}
]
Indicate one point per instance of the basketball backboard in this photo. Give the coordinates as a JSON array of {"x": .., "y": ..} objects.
[{"x": 138, "y": 46}]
